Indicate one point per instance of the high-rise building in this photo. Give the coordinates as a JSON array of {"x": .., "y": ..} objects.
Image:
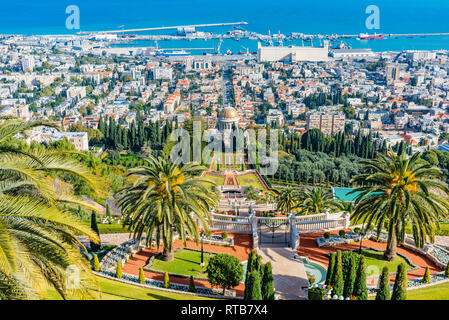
[
  {"x": 328, "y": 122},
  {"x": 28, "y": 63}
]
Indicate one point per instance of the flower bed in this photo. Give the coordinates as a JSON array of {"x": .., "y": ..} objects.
[{"x": 336, "y": 240}]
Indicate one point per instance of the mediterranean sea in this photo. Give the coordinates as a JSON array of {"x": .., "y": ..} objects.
[{"x": 301, "y": 16}]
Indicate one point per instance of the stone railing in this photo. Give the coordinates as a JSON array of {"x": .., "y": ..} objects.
[
  {"x": 231, "y": 226},
  {"x": 226, "y": 217},
  {"x": 322, "y": 222},
  {"x": 121, "y": 254},
  {"x": 294, "y": 234}
]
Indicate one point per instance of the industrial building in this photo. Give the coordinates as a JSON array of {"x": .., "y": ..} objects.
[{"x": 293, "y": 53}]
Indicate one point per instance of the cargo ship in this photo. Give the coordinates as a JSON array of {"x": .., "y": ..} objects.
[{"x": 365, "y": 36}]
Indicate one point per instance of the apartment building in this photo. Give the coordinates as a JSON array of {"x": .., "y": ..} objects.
[{"x": 328, "y": 122}]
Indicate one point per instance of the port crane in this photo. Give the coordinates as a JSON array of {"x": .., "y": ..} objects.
[{"x": 270, "y": 39}]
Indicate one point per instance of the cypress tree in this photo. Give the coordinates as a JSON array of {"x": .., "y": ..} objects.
[
  {"x": 254, "y": 291},
  {"x": 166, "y": 281},
  {"x": 338, "y": 276},
  {"x": 446, "y": 272},
  {"x": 93, "y": 224},
  {"x": 267, "y": 282},
  {"x": 192, "y": 287},
  {"x": 118, "y": 270},
  {"x": 360, "y": 290},
  {"x": 249, "y": 268},
  {"x": 108, "y": 210},
  {"x": 400, "y": 284},
  {"x": 257, "y": 264},
  {"x": 383, "y": 291},
  {"x": 426, "y": 277},
  {"x": 350, "y": 271},
  {"x": 141, "y": 276},
  {"x": 96, "y": 263},
  {"x": 330, "y": 270}
]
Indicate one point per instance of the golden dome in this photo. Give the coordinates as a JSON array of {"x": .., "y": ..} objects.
[{"x": 228, "y": 113}]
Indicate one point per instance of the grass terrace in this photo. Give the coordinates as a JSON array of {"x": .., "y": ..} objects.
[
  {"x": 250, "y": 179},
  {"x": 219, "y": 180},
  {"x": 114, "y": 290},
  {"x": 375, "y": 258},
  {"x": 186, "y": 262}
]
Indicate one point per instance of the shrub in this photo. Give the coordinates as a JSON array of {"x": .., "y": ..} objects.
[
  {"x": 166, "y": 281},
  {"x": 360, "y": 290},
  {"x": 400, "y": 284},
  {"x": 327, "y": 235},
  {"x": 224, "y": 235},
  {"x": 342, "y": 233},
  {"x": 192, "y": 287},
  {"x": 316, "y": 293},
  {"x": 267, "y": 282},
  {"x": 446, "y": 272},
  {"x": 254, "y": 291},
  {"x": 338, "y": 276},
  {"x": 118, "y": 270},
  {"x": 330, "y": 270},
  {"x": 383, "y": 291},
  {"x": 357, "y": 230},
  {"x": 141, "y": 276},
  {"x": 224, "y": 270},
  {"x": 426, "y": 277},
  {"x": 96, "y": 263}
]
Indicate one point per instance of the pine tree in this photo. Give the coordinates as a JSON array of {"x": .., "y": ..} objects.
[
  {"x": 383, "y": 291},
  {"x": 330, "y": 270},
  {"x": 93, "y": 224},
  {"x": 96, "y": 263},
  {"x": 166, "y": 281},
  {"x": 141, "y": 276},
  {"x": 351, "y": 271},
  {"x": 267, "y": 282},
  {"x": 192, "y": 287},
  {"x": 338, "y": 277},
  {"x": 360, "y": 290},
  {"x": 426, "y": 277},
  {"x": 254, "y": 291},
  {"x": 118, "y": 270},
  {"x": 400, "y": 284}
]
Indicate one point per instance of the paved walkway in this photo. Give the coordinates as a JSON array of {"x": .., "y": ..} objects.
[{"x": 289, "y": 274}]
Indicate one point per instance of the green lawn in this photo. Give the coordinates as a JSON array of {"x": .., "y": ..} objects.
[
  {"x": 375, "y": 258},
  {"x": 250, "y": 180},
  {"x": 186, "y": 262},
  {"x": 218, "y": 180},
  {"x": 113, "y": 290},
  {"x": 437, "y": 292}
]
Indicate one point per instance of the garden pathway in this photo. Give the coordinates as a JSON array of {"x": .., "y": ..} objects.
[{"x": 289, "y": 274}]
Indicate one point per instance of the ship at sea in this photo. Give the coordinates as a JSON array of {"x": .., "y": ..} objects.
[
  {"x": 172, "y": 53},
  {"x": 365, "y": 36}
]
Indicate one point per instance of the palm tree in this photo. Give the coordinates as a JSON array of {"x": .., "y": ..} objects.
[
  {"x": 38, "y": 237},
  {"x": 396, "y": 190},
  {"x": 287, "y": 199},
  {"x": 316, "y": 201},
  {"x": 167, "y": 197},
  {"x": 252, "y": 193}
]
